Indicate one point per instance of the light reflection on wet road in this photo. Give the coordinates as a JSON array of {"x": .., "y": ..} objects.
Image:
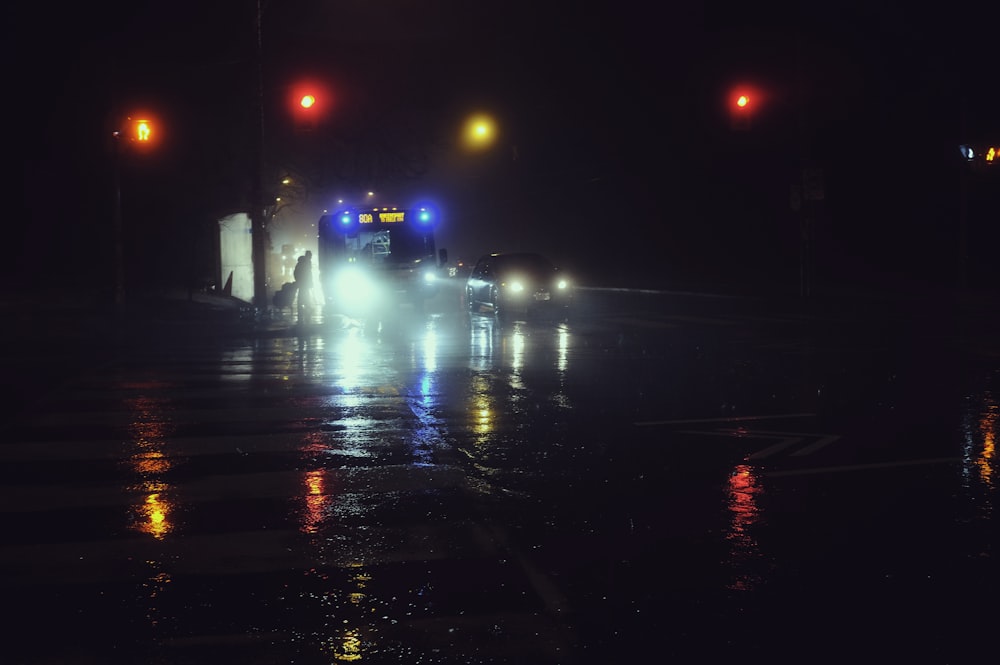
[{"x": 686, "y": 478}]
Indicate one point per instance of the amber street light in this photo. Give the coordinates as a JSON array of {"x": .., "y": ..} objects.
[{"x": 479, "y": 132}]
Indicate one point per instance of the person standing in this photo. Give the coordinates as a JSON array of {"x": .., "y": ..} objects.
[{"x": 303, "y": 282}]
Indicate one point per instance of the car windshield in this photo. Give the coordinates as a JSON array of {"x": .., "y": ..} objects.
[{"x": 530, "y": 263}]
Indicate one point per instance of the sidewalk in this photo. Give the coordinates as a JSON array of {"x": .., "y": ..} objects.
[
  {"x": 68, "y": 317},
  {"x": 175, "y": 311}
]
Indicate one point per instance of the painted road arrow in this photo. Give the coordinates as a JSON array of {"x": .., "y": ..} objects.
[{"x": 785, "y": 440}]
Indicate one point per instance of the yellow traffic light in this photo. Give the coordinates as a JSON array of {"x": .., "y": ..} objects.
[
  {"x": 140, "y": 130},
  {"x": 991, "y": 154},
  {"x": 143, "y": 131}
]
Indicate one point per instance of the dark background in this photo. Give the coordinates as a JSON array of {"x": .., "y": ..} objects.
[{"x": 616, "y": 152}]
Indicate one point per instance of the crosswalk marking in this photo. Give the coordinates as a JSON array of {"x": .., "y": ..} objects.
[{"x": 355, "y": 486}]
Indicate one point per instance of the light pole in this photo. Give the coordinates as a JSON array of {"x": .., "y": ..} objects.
[
  {"x": 119, "y": 284},
  {"x": 310, "y": 105}
]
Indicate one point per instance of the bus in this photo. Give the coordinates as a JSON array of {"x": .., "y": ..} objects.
[{"x": 371, "y": 258}]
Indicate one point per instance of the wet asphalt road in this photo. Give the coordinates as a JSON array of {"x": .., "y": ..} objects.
[{"x": 661, "y": 476}]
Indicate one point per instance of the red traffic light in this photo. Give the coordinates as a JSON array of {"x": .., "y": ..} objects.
[
  {"x": 742, "y": 103},
  {"x": 308, "y": 103}
]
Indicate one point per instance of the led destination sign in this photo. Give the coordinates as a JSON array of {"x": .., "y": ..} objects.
[{"x": 396, "y": 216}]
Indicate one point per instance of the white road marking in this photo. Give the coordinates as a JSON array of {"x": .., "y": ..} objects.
[
  {"x": 785, "y": 440},
  {"x": 863, "y": 467},
  {"x": 772, "y": 449},
  {"x": 733, "y": 419},
  {"x": 816, "y": 445}
]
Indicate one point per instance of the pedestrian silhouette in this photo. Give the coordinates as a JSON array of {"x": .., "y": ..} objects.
[{"x": 303, "y": 283}]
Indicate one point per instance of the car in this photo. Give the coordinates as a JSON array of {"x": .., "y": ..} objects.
[{"x": 518, "y": 282}]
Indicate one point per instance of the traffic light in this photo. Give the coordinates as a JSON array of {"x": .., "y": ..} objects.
[
  {"x": 141, "y": 130},
  {"x": 309, "y": 102},
  {"x": 305, "y": 113},
  {"x": 741, "y": 108}
]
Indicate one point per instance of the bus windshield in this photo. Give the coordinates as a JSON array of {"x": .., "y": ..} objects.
[{"x": 400, "y": 244}]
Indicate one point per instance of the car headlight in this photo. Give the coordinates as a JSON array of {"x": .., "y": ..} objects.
[
  {"x": 429, "y": 277},
  {"x": 516, "y": 286},
  {"x": 562, "y": 284}
]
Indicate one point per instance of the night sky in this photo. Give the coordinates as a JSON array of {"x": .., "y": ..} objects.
[{"x": 616, "y": 155}]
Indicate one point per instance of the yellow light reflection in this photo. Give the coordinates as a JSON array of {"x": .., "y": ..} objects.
[
  {"x": 350, "y": 646},
  {"x": 986, "y": 460},
  {"x": 155, "y": 512},
  {"x": 150, "y": 429},
  {"x": 483, "y": 414},
  {"x": 356, "y": 637},
  {"x": 153, "y": 462},
  {"x": 316, "y": 501}
]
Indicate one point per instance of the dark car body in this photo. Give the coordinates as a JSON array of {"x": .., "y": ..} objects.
[{"x": 522, "y": 282}]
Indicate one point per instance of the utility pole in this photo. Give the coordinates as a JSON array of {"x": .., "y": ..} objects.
[
  {"x": 257, "y": 226},
  {"x": 119, "y": 285},
  {"x": 138, "y": 133},
  {"x": 809, "y": 177},
  {"x": 963, "y": 208}
]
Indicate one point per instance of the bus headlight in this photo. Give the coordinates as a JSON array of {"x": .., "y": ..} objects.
[{"x": 353, "y": 287}]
